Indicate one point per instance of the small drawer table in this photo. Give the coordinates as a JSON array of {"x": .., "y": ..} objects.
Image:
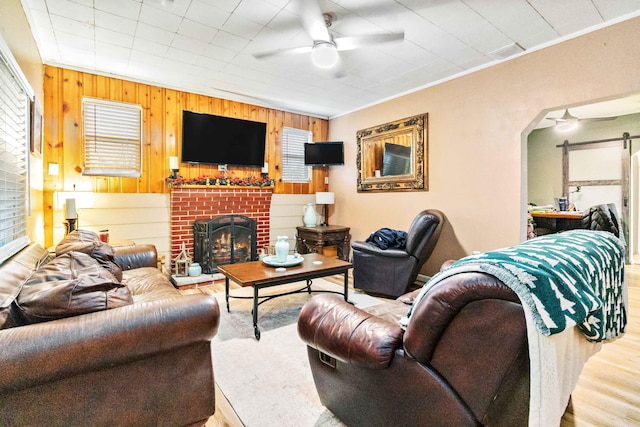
[{"x": 318, "y": 239}]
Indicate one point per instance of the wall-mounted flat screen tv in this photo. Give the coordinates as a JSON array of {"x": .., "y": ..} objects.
[
  {"x": 218, "y": 140},
  {"x": 324, "y": 153}
]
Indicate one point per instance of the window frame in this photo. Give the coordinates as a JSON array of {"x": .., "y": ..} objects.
[
  {"x": 292, "y": 148},
  {"x": 114, "y": 138},
  {"x": 17, "y": 234}
]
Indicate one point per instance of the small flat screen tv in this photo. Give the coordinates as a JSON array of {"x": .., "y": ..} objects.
[
  {"x": 324, "y": 153},
  {"x": 218, "y": 140}
]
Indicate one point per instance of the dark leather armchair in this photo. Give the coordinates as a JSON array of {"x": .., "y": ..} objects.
[
  {"x": 392, "y": 271},
  {"x": 463, "y": 360}
]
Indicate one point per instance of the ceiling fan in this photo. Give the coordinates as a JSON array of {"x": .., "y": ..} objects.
[
  {"x": 324, "y": 49},
  {"x": 568, "y": 121}
]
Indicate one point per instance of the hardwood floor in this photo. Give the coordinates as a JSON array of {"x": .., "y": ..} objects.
[{"x": 607, "y": 394}]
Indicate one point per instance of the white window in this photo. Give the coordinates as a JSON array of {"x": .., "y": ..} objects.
[
  {"x": 15, "y": 95},
  {"x": 112, "y": 136},
  {"x": 293, "y": 167}
]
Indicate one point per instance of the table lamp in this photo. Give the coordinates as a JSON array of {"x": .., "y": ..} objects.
[{"x": 325, "y": 198}]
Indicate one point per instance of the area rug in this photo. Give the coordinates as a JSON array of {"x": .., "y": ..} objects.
[{"x": 269, "y": 382}]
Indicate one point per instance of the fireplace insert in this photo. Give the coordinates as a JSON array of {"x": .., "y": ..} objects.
[{"x": 226, "y": 239}]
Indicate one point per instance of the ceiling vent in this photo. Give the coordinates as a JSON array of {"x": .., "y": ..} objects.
[{"x": 506, "y": 51}]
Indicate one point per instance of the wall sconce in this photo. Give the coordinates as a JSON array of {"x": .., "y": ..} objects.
[
  {"x": 71, "y": 216},
  {"x": 325, "y": 198},
  {"x": 173, "y": 165},
  {"x": 54, "y": 169}
]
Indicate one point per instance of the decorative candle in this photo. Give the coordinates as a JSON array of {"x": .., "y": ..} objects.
[
  {"x": 70, "y": 209},
  {"x": 173, "y": 163}
]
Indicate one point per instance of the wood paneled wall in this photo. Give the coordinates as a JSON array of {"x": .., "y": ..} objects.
[{"x": 162, "y": 133}]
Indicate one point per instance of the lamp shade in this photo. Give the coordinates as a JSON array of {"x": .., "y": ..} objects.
[{"x": 325, "y": 198}]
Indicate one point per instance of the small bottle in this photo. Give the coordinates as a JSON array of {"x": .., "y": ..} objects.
[{"x": 104, "y": 236}]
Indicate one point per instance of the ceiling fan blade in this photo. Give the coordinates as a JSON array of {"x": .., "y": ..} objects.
[
  {"x": 356, "y": 42},
  {"x": 312, "y": 20},
  {"x": 282, "y": 52}
]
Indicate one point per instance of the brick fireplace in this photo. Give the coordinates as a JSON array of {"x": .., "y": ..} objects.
[{"x": 189, "y": 204}]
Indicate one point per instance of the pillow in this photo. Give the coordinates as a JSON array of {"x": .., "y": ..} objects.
[
  {"x": 89, "y": 243},
  {"x": 69, "y": 285}
]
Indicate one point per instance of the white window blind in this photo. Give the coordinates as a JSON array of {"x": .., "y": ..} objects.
[
  {"x": 112, "y": 133},
  {"x": 14, "y": 138},
  {"x": 293, "y": 167}
]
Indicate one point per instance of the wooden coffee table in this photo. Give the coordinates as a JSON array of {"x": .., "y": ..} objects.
[{"x": 259, "y": 275}]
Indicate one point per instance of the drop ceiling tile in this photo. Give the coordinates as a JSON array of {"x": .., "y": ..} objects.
[
  {"x": 259, "y": 12},
  {"x": 159, "y": 18},
  {"x": 79, "y": 58},
  {"x": 182, "y": 55},
  {"x": 154, "y": 34},
  {"x": 220, "y": 53},
  {"x": 113, "y": 51},
  {"x": 207, "y": 14},
  {"x": 175, "y": 7},
  {"x": 568, "y": 16},
  {"x": 124, "y": 9},
  {"x": 241, "y": 27},
  {"x": 150, "y": 47},
  {"x": 227, "y": 5},
  {"x": 197, "y": 31},
  {"x": 114, "y": 22},
  {"x": 70, "y": 10},
  {"x": 81, "y": 29},
  {"x": 188, "y": 44},
  {"x": 144, "y": 60},
  {"x": 210, "y": 63},
  {"x": 229, "y": 41},
  {"x": 613, "y": 9},
  {"x": 76, "y": 42},
  {"x": 113, "y": 37}
]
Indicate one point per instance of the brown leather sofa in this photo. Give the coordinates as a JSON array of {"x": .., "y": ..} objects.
[
  {"x": 463, "y": 360},
  {"x": 147, "y": 361}
]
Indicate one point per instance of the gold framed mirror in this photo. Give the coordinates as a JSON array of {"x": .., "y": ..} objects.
[{"x": 393, "y": 156}]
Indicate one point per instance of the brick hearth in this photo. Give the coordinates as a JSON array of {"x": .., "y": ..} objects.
[{"x": 191, "y": 203}]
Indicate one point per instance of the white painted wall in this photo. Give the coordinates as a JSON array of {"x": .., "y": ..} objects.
[
  {"x": 286, "y": 213},
  {"x": 143, "y": 218}
]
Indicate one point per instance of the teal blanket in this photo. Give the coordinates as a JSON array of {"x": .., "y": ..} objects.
[{"x": 566, "y": 279}]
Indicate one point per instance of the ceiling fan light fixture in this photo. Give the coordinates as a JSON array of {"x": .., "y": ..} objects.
[{"x": 324, "y": 54}]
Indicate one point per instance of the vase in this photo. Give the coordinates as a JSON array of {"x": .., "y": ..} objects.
[
  {"x": 282, "y": 249},
  {"x": 195, "y": 269},
  {"x": 309, "y": 218}
]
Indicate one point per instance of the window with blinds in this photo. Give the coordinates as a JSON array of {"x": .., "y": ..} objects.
[
  {"x": 14, "y": 140},
  {"x": 293, "y": 167},
  {"x": 112, "y": 135}
]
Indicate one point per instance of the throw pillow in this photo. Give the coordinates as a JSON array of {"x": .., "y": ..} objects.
[
  {"x": 89, "y": 243},
  {"x": 69, "y": 285}
]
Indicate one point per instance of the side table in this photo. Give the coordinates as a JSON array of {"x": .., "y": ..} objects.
[{"x": 318, "y": 239}]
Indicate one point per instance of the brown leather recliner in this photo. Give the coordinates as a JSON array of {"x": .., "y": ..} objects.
[
  {"x": 463, "y": 360},
  {"x": 392, "y": 271}
]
